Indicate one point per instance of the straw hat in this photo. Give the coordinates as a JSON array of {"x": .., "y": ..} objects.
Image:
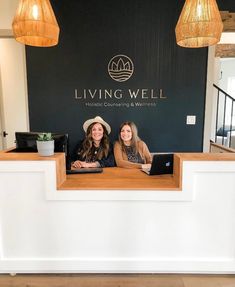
[{"x": 97, "y": 119}]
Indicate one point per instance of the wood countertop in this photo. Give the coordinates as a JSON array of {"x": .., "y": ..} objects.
[{"x": 118, "y": 178}]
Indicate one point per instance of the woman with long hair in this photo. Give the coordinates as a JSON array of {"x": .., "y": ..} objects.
[
  {"x": 130, "y": 151},
  {"x": 95, "y": 150}
]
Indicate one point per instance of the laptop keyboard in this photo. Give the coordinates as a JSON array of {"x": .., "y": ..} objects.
[{"x": 85, "y": 170}]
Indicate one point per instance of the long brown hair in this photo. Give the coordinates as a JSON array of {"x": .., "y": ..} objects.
[
  {"x": 88, "y": 143},
  {"x": 134, "y": 139}
]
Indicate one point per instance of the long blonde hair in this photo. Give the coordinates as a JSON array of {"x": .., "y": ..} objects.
[
  {"x": 134, "y": 139},
  {"x": 88, "y": 143}
]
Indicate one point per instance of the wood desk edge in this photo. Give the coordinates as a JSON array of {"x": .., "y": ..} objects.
[{"x": 177, "y": 175}]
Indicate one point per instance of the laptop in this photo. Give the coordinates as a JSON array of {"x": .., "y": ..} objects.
[
  {"x": 162, "y": 164},
  {"x": 85, "y": 170}
]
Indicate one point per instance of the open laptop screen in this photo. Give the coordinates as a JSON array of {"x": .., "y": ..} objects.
[{"x": 162, "y": 164}]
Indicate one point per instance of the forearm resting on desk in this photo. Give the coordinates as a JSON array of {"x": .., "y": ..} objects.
[{"x": 80, "y": 164}]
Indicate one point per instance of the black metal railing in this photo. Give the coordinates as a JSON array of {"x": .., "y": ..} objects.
[{"x": 225, "y": 116}]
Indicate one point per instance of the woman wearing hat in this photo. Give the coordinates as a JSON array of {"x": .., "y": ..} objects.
[
  {"x": 95, "y": 150},
  {"x": 129, "y": 150}
]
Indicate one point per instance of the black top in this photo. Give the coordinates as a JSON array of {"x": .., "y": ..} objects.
[{"x": 104, "y": 162}]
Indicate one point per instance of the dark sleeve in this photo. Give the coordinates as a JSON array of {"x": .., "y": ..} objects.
[
  {"x": 109, "y": 160},
  {"x": 76, "y": 155}
]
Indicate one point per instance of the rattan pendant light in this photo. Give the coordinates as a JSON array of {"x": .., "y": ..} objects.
[
  {"x": 199, "y": 24},
  {"x": 35, "y": 24}
]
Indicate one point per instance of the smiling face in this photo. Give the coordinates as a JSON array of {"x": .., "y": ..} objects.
[
  {"x": 126, "y": 134},
  {"x": 97, "y": 133}
]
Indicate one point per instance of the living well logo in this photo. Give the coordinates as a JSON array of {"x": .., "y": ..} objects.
[{"x": 120, "y": 68}]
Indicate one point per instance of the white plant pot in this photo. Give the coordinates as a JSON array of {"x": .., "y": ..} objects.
[{"x": 45, "y": 148}]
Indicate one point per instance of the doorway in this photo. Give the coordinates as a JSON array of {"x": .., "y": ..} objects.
[
  {"x": 221, "y": 58},
  {"x": 13, "y": 91}
]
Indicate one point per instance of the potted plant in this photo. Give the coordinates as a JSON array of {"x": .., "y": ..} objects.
[{"x": 45, "y": 144}]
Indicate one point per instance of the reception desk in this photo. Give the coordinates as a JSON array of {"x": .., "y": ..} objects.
[{"x": 121, "y": 220}]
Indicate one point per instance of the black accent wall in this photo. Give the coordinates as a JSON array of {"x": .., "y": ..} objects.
[{"x": 67, "y": 83}]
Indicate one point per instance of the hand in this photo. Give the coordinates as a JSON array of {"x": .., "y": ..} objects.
[
  {"x": 146, "y": 165},
  {"x": 90, "y": 164},
  {"x": 85, "y": 164},
  {"x": 77, "y": 164},
  {"x": 80, "y": 164}
]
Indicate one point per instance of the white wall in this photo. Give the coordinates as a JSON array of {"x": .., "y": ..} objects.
[
  {"x": 7, "y": 12},
  {"x": 227, "y": 67},
  {"x": 213, "y": 68}
]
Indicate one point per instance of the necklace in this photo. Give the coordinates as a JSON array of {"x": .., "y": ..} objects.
[{"x": 96, "y": 149}]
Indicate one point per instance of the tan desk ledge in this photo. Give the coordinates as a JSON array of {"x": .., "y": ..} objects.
[{"x": 119, "y": 178}]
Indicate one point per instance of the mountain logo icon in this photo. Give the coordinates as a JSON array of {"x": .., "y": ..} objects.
[{"x": 120, "y": 68}]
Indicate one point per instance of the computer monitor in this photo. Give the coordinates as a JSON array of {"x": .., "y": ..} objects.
[{"x": 26, "y": 142}]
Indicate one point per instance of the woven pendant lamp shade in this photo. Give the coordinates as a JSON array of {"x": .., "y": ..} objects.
[
  {"x": 199, "y": 24},
  {"x": 35, "y": 24}
]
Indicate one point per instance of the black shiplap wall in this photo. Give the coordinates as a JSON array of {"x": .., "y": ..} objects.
[{"x": 92, "y": 32}]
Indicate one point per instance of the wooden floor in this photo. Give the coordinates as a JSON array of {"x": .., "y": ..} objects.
[{"x": 75, "y": 280}]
